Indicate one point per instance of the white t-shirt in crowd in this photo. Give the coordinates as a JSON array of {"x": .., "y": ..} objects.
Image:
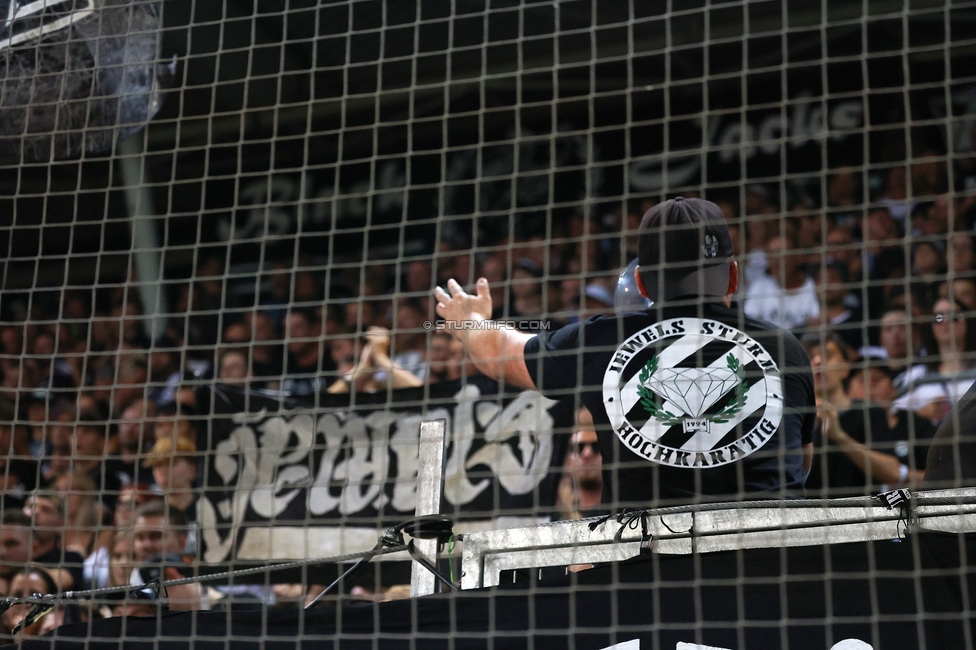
[
  {"x": 413, "y": 362},
  {"x": 754, "y": 268},
  {"x": 96, "y": 568},
  {"x": 931, "y": 388},
  {"x": 786, "y": 308}
]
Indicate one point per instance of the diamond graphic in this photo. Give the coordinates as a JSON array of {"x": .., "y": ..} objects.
[{"x": 693, "y": 390}]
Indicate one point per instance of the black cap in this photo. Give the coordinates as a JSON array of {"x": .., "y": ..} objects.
[
  {"x": 684, "y": 250},
  {"x": 869, "y": 360}
]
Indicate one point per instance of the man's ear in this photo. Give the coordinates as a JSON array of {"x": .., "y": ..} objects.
[
  {"x": 733, "y": 277},
  {"x": 640, "y": 282}
]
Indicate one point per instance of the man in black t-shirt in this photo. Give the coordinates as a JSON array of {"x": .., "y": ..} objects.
[
  {"x": 92, "y": 456},
  {"x": 46, "y": 511},
  {"x": 18, "y": 474},
  {"x": 889, "y": 445},
  {"x": 309, "y": 369},
  {"x": 690, "y": 397},
  {"x": 15, "y": 545}
]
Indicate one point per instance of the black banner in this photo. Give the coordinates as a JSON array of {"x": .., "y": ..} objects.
[
  {"x": 286, "y": 479},
  {"x": 907, "y": 594}
]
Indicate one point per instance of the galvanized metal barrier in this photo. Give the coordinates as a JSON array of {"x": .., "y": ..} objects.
[{"x": 708, "y": 529}]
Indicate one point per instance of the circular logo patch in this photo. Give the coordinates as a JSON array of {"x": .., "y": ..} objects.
[{"x": 693, "y": 392}]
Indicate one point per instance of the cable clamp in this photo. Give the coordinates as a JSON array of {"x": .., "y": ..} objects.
[{"x": 895, "y": 498}]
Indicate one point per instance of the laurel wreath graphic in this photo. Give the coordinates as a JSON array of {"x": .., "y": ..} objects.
[
  {"x": 739, "y": 399},
  {"x": 651, "y": 405},
  {"x": 656, "y": 410}
]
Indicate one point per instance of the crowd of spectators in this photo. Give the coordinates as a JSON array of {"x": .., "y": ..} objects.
[{"x": 99, "y": 452}]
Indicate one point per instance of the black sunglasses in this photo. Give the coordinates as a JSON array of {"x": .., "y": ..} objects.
[{"x": 579, "y": 448}]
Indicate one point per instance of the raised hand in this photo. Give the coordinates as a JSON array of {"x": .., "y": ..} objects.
[
  {"x": 378, "y": 338},
  {"x": 458, "y": 306}
]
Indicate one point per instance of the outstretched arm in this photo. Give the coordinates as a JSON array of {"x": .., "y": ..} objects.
[{"x": 495, "y": 350}]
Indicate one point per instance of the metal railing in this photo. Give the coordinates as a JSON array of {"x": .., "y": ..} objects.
[{"x": 712, "y": 528}]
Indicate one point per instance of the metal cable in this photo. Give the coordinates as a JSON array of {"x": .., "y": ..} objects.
[
  {"x": 71, "y": 595},
  {"x": 851, "y": 502}
]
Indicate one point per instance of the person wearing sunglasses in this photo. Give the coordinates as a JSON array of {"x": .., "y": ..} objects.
[
  {"x": 950, "y": 366},
  {"x": 581, "y": 486}
]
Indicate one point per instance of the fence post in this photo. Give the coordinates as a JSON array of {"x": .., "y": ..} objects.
[{"x": 429, "y": 485}]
